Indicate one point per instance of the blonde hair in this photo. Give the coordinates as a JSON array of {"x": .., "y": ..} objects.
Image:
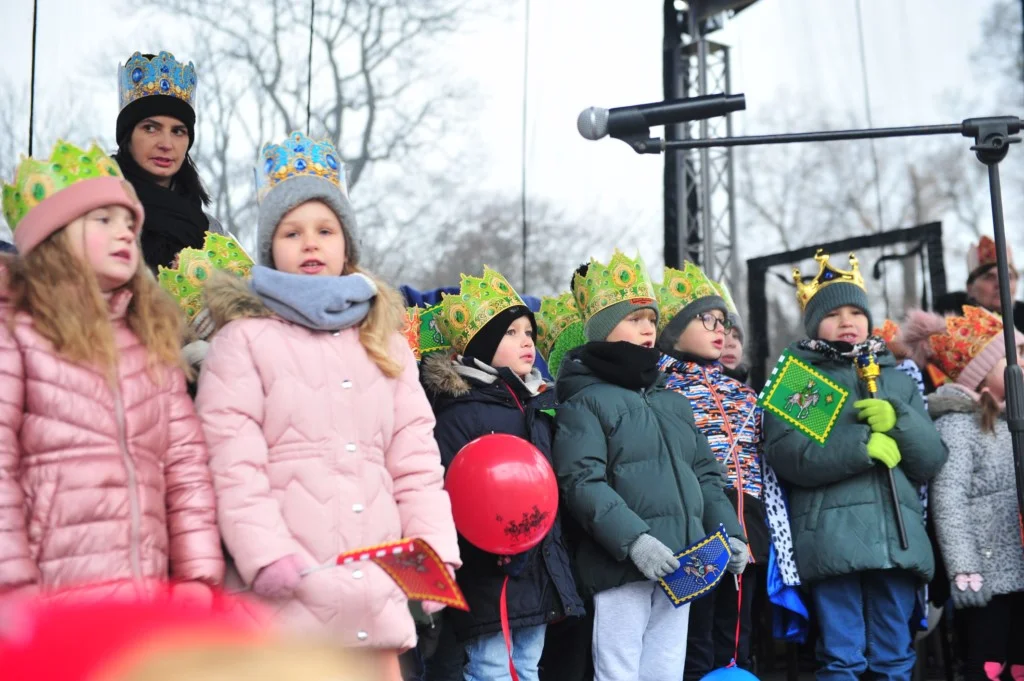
[
  {"x": 383, "y": 321},
  {"x": 264, "y": 661},
  {"x": 63, "y": 297}
]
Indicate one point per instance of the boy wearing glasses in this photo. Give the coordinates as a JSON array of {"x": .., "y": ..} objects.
[{"x": 692, "y": 337}]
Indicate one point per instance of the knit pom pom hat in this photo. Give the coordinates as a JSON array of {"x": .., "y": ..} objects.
[{"x": 964, "y": 348}]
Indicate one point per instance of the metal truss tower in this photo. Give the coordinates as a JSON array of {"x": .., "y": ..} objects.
[{"x": 700, "y": 199}]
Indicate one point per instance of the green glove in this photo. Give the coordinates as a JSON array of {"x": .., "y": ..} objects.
[
  {"x": 883, "y": 448},
  {"x": 878, "y": 413}
]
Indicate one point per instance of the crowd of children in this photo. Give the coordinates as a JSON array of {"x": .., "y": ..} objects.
[{"x": 318, "y": 428}]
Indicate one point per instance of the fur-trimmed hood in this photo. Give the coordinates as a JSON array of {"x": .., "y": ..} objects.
[
  {"x": 229, "y": 297},
  {"x": 953, "y": 398},
  {"x": 445, "y": 376},
  {"x": 439, "y": 375}
]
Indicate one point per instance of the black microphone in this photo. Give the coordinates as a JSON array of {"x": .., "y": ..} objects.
[{"x": 625, "y": 121}]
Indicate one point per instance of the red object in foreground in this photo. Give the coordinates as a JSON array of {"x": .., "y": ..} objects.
[
  {"x": 417, "y": 570},
  {"x": 73, "y": 635},
  {"x": 504, "y": 494}
]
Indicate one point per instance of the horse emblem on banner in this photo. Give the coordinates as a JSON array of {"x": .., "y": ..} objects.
[{"x": 805, "y": 400}]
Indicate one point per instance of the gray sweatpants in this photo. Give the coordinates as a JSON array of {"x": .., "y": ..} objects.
[{"x": 638, "y": 634}]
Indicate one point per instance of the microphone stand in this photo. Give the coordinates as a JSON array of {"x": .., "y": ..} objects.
[{"x": 992, "y": 139}]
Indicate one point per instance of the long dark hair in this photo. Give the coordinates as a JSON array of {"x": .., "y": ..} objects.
[{"x": 185, "y": 182}]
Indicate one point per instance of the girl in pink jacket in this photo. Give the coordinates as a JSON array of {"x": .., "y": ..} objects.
[
  {"x": 320, "y": 436},
  {"x": 103, "y": 468}
]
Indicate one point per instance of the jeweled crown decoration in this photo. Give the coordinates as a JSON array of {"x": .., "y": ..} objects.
[
  {"x": 965, "y": 338},
  {"x": 478, "y": 301},
  {"x": 38, "y": 179},
  {"x": 827, "y": 275},
  {"x": 555, "y": 316},
  {"x": 187, "y": 281},
  {"x": 160, "y": 75},
  {"x": 679, "y": 288},
  {"x": 298, "y": 156},
  {"x": 723, "y": 291},
  {"x": 622, "y": 279}
]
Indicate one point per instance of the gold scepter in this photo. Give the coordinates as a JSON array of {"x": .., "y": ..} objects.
[{"x": 869, "y": 371}]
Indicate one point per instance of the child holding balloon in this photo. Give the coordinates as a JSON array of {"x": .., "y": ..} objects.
[
  {"x": 490, "y": 386},
  {"x": 634, "y": 472},
  {"x": 319, "y": 433}
]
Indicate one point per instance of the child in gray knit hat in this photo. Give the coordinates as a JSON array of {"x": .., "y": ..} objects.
[
  {"x": 634, "y": 472},
  {"x": 861, "y": 578},
  {"x": 319, "y": 433}
]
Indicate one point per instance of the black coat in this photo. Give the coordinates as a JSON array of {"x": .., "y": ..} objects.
[{"x": 541, "y": 588}]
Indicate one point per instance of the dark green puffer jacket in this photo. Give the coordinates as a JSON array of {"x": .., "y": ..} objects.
[
  {"x": 628, "y": 463},
  {"x": 841, "y": 510}
]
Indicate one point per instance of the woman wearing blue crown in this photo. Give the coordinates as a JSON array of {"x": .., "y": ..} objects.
[
  {"x": 155, "y": 131},
  {"x": 861, "y": 574}
]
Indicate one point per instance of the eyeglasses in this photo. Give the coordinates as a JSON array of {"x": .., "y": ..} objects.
[{"x": 711, "y": 322}]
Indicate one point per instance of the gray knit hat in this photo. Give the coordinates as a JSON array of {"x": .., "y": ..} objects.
[
  {"x": 294, "y": 192},
  {"x": 737, "y": 323},
  {"x": 674, "y": 329},
  {"x": 829, "y": 298},
  {"x": 600, "y": 326}
]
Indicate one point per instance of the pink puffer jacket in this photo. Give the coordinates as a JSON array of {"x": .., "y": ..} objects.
[
  {"x": 99, "y": 484},
  {"x": 315, "y": 452}
]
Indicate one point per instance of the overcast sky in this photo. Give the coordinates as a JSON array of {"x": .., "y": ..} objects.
[{"x": 786, "y": 53}]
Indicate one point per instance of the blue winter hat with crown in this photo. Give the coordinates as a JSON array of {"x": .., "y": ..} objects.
[
  {"x": 156, "y": 85},
  {"x": 295, "y": 171}
]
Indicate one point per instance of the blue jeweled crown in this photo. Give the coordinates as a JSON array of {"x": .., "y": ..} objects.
[
  {"x": 297, "y": 156},
  {"x": 161, "y": 75}
]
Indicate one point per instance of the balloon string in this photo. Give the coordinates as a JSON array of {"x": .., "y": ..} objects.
[
  {"x": 739, "y": 619},
  {"x": 505, "y": 630}
]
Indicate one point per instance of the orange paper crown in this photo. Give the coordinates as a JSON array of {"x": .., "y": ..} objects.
[
  {"x": 888, "y": 331},
  {"x": 983, "y": 254},
  {"x": 965, "y": 338}
]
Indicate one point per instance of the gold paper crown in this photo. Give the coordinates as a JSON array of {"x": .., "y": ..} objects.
[
  {"x": 39, "y": 179},
  {"x": 827, "y": 275},
  {"x": 555, "y": 316},
  {"x": 723, "y": 291},
  {"x": 298, "y": 156},
  {"x": 411, "y": 330},
  {"x": 622, "y": 279},
  {"x": 680, "y": 288},
  {"x": 187, "y": 281},
  {"x": 160, "y": 74},
  {"x": 479, "y": 300}
]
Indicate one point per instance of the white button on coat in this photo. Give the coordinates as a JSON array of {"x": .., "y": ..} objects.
[
  {"x": 350, "y": 447},
  {"x": 362, "y": 636}
]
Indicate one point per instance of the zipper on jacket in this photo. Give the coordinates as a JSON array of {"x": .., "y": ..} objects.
[
  {"x": 133, "y": 500},
  {"x": 735, "y": 454},
  {"x": 514, "y": 396}
]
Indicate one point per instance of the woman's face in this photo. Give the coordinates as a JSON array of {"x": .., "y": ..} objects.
[{"x": 159, "y": 145}]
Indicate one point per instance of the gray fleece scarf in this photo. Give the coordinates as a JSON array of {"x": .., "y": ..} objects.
[{"x": 317, "y": 303}]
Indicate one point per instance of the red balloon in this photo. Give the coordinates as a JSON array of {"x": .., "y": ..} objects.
[{"x": 504, "y": 494}]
